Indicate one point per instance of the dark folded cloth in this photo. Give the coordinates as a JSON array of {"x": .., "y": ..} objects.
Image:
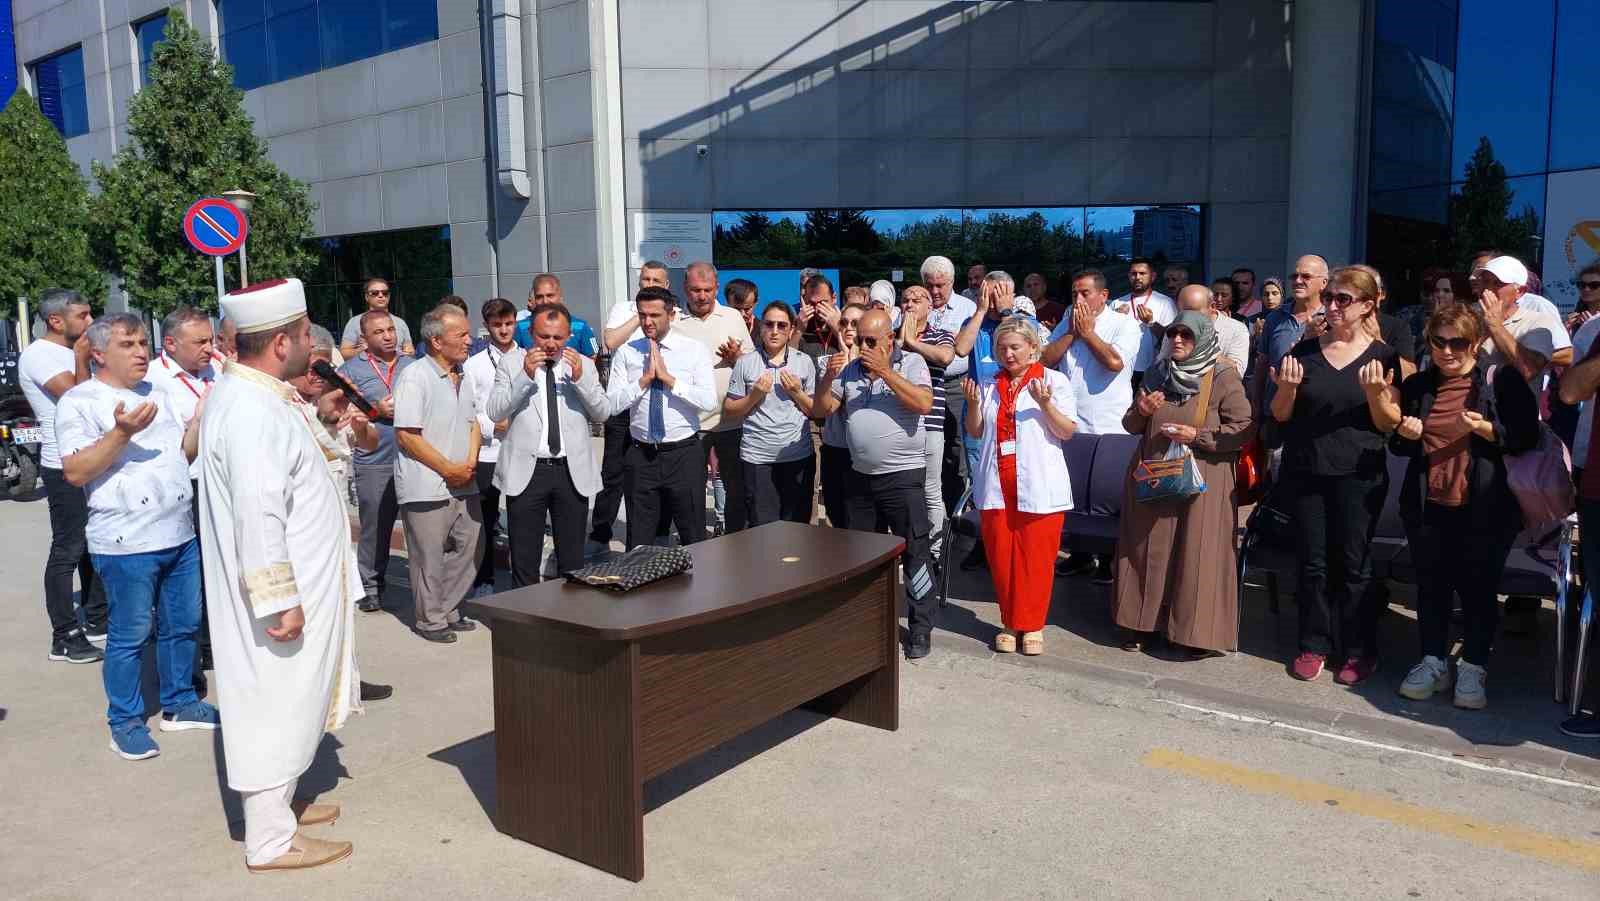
[{"x": 640, "y": 566}]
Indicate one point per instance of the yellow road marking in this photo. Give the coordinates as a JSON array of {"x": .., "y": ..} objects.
[{"x": 1584, "y": 855}]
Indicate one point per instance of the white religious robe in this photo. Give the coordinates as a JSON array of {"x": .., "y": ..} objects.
[{"x": 274, "y": 532}]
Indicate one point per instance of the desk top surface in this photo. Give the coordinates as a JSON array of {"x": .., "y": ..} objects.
[{"x": 732, "y": 575}]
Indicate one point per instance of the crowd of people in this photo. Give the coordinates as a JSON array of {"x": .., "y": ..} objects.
[{"x": 199, "y": 490}]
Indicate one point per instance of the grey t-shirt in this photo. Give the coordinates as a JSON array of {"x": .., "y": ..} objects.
[
  {"x": 373, "y": 379},
  {"x": 775, "y": 431},
  {"x": 352, "y": 331},
  {"x": 883, "y": 435}
]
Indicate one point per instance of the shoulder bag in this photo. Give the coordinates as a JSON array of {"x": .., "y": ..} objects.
[{"x": 1175, "y": 476}]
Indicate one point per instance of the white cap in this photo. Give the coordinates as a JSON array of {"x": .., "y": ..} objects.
[
  {"x": 883, "y": 292},
  {"x": 1024, "y": 304},
  {"x": 265, "y": 306},
  {"x": 1509, "y": 270}
]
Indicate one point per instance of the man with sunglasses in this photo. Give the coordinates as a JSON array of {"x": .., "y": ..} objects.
[
  {"x": 1288, "y": 325},
  {"x": 882, "y": 397},
  {"x": 377, "y": 294}
]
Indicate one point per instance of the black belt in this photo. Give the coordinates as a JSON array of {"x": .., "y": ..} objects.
[
  {"x": 658, "y": 447},
  {"x": 550, "y": 461}
]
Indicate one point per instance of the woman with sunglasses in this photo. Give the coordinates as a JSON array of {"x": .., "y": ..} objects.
[
  {"x": 1022, "y": 414},
  {"x": 1458, "y": 426},
  {"x": 771, "y": 390},
  {"x": 1336, "y": 403},
  {"x": 1588, "y": 282},
  {"x": 835, "y": 468},
  {"x": 1175, "y": 561}
]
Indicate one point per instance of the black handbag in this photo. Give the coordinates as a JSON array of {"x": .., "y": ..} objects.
[{"x": 641, "y": 566}]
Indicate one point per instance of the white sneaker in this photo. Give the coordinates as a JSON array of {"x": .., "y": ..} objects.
[
  {"x": 1429, "y": 677},
  {"x": 1470, "y": 680}
]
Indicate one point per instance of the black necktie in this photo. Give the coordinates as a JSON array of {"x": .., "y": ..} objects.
[{"x": 552, "y": 419}]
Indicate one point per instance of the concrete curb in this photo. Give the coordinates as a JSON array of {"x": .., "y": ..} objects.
[{"x": 1548, "y": 762}]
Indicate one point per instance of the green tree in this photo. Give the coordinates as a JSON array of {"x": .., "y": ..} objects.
[
  {"x": 44, "y": 209},
  {"x": 1480, "y": 213},
  {"x": 189, "y": 137}
]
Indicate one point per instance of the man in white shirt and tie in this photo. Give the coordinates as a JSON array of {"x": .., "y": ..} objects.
[
  {"x": 547, "y": 396},
  {"x": 500, "y": 318},
  {"x": 184, "y": 372},
  {"x": 1154, "y": 311},
  {"x": 664, "y": 380}
]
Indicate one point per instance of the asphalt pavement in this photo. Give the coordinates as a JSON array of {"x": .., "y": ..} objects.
[{"x": 1060, "y": 777}]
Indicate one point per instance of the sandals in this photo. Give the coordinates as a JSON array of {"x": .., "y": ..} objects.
[
  {"x": 1032, "y": 644},
  {"x": 1005, "y": 642}
]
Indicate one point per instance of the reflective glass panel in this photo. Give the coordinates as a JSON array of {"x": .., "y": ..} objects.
[
  {"x": 351, "y": 30},
  {"x": 1503, "y": 84},
  {"x": 58, "y": 86},
  {"x": 292, "y": 44},
  {"x": 1575, "y": 128},
  {"x": 149, "y": 33}
]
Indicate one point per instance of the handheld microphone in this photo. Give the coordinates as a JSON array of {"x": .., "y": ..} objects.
[{"x": 327, "y": 373}]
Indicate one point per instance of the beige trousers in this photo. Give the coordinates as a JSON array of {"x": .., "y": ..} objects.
[{"x": 444, "y": 544}]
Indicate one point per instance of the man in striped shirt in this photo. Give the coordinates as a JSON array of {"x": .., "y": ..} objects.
[{"x": 938, "y": 348}]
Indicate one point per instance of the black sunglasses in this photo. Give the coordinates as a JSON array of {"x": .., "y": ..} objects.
[
  {"x": 778, "y": 325},
  {"x": 1589, "y": 286},
  {"x": 1454, "y": 345},
  {"x": 1179, "y": 332}
]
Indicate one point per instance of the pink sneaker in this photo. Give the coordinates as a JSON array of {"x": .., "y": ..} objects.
[
  {"x": 1356, "y": 670},
  {"x": 1308, "y": 666}
]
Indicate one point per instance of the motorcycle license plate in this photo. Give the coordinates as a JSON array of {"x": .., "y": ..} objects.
[{"x": 27, "y": 436}]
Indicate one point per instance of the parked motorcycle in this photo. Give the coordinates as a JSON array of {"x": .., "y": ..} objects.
[{"x": 20, "y": 434}]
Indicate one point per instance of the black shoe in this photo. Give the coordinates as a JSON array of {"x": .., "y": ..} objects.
[
  {"x": 1102, "y": 571},
  {"x": 463, "y": 625},
  {"x": 1522, "y": 615},
  {"x": 1584, "y": 725},
  {"x": 974, "y": 559},
  {"x": 75, "y": 649},
  {"x": 369, "y": 604},
  {"x": 205, "y": 660},
  {"x": 372, "y": 691},
  {"x": 1075, "y": 565},
  {"x": 441, "y": 636},
  {"x": 201, "y": 686},
  {"x": 918, "y": 646}
]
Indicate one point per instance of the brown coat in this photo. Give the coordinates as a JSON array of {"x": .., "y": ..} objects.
[{"x": 1177, "y": 561}]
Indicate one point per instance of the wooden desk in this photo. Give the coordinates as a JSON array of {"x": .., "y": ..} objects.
[{"x": 596, "y": 692}]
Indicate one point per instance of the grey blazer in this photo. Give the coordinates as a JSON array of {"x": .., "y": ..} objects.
[{"x": 521, "y": 400}]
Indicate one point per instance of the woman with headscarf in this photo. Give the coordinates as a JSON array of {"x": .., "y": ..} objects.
[
  {"x": 1176, "y": 573},
  {"x": 1021, "y": 413}
]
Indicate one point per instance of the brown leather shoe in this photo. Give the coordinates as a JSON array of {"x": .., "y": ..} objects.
[
  {"x": 309, "y": 814},
  {"x": 304, "y": 853}
]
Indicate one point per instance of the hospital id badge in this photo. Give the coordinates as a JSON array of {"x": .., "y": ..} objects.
[{"x": 1008, "y": 448}]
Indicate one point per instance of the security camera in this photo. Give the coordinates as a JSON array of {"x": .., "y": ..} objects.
[{"x": 702, "y": 150}]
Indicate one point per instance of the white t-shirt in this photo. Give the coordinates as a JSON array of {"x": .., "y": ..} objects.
[
  {"x": 1582, "y": 343},
  {"x": 1538, "y": 331},
  {"x": 1100, "y": 396},
  {"x": 185, "y": 390},
  {"x": 41, "y": 362},
  {"x": 141, "y": 503},
  {"x": 1538, "y": 304},
  {"x": 1162, "y": 309}
]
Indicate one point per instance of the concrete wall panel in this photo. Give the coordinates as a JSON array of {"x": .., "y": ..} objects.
[
  {"x": 666, "y": 103},
  {"x": 413, "y": 197},
  {"x": 349, "y": 148},
  {"x": 572, "y": 241},
  {"x": 667, "y": 175},
  {"x": 461, "y": 64},
  {"x": 411, "y": 137},
  {"x": 352, "y": 205},
  {"x": 773, "y": 34},
  {"x": 468, "y": 187},
  {"x": 563, "y": 34},
  {"x": 569, "y": 178},
  {"x": 409, "y": 77},
  {"x": 288, "y": 106},
  {"x": 463, "y": 127},
  {"x": 348, "y": 92},
  {"x": 568, "y": 109},
  {"x": 664, "y": 34},
  {"x": 298, "y": 154}
]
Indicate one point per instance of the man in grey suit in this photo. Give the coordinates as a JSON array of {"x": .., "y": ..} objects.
[{"x": 550, "y": 393}]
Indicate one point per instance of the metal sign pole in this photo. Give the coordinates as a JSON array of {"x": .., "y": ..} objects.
[
  {"x": 221, "y": 288},
  {"x": 244, "y": 267}
]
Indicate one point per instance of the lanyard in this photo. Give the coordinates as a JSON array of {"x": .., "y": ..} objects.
[
  {"x": 184, "y": 378},
  {"x": 388, "y": 380}
]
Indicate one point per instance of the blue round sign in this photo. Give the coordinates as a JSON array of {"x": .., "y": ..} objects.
[{"x": 215, "y": 227}]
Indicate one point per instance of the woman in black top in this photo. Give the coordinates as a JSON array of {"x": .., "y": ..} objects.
[
  {"x": 1457, "y": 505},
  {"x": 1336, "y": 403}
]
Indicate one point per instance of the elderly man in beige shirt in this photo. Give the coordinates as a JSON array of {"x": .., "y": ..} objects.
[{"x": 721, "y": 330}]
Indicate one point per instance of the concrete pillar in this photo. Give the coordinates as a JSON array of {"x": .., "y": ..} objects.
[{"x": 1326, "y": 138}]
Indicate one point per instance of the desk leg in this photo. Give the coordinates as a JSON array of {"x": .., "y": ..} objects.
[
  {"x": 566, "y": 746},
  {"x": 873, "y": 699}
]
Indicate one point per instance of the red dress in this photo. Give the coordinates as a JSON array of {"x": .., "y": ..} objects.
[{"x": 1021, "y": 547}]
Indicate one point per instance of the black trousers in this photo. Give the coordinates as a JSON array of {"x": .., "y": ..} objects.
[
  {"x": 953, "y": 475},
  {"x": 894, "y": 502},
  {"x": 489, "y": 497},
  {"x": 1334, "y": 517},
  {"x": 779, "y": 492},
  {"x": 549, "y": 492},
  {"x": 612, "y": 478},
  {"x": 1455, "y": 560},
  {"x": 203, "y": 637},
  {"x": 666, "y": 485},
  {"x": 836, "y": 476},
  {"x": 69, "y": 553},
  {"x": 726, "y": 444}
]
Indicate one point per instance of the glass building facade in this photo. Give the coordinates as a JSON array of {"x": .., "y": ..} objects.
[
  {"x": 1055, "y": 242},
  {"x": 147, "y": 34},
  {"x": 58, "y": 84},
  {"x": 415, "y": 262},
  {"x": 268, "y": 41},
  {"x": 1485, "y": 133}
]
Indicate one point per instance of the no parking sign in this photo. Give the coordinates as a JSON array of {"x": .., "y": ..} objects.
[{"x": 215, "y": 227}]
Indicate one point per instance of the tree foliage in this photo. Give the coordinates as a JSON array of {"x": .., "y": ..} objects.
[
  {"x": 189, "y": 137},
  {"x": 1480, "y": 213},
  {"x": 44, "y": 209}
]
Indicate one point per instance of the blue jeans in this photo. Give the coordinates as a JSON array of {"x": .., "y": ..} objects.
[{"x": 159, "y": 589}]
